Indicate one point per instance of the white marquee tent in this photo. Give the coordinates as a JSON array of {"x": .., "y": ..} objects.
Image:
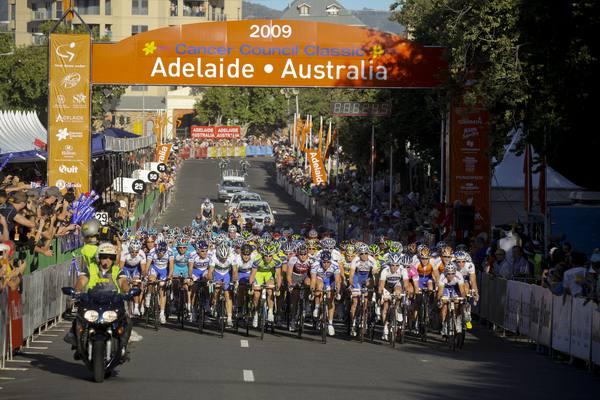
[{"x": 19, "y": 130}]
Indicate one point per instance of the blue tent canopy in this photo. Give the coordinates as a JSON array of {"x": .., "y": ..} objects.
[{"x": 25, "y": 156}]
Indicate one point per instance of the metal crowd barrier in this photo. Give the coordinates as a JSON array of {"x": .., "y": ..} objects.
[{"x": 569, "y": 325}]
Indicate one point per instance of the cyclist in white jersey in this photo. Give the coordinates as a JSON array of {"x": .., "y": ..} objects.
[
  {"x": 223, "y": 269},
  {"x": 360, "y": 277},
  {"x": 198, "y": 269},
  {"x": 466, "y": 268},
  {"x": 325, "y": 277},
  {"x": 161, "y": 262},
  {"x": 207, "y": 211},
  {"x": 450, "y": 285},
  {"x": 133, "y": 263},
  {"x": 393, "y": 279}
]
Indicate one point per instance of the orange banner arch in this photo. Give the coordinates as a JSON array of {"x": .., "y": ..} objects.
[{"x": 276, "y": 53}]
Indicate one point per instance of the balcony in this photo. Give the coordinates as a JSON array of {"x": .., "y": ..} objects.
[
  {"x": 194, "y": 8},
  {"x": 41, "y": 15}
]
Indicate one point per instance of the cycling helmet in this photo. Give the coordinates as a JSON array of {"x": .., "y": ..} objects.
[
  {"x": 312, "y": 243},
  {"x": 162, "y": 247},
  {"x": 313, "y": 234},
  {"x": 201, "y": 245},
  {"x": 276, "y": 236},
  {"x": 238, "y": 243},
  {"x": 134, "y": 246},
  {"x": 106, "y": 248},
  {"x": 446, "y": 251},
  {"x": 468, "y": 257},
  {"x": 182, "y": 242},
  {"x": 362, "y": 248},
  {"x": 394, "y": 259},
  {"x": 220, "y": 239},
  {"x": 461, "y": 247},
  {"x": 246, "y": 250},
  {"x": 440, "y": 245},
  {"x": 288, "y": 247},
  {"x": 296, "y": 236},
  {"x": 232, "y": 229},
  {"x": 165, "y": 228},
  {"x": 287, "y": 231},
  {"x": 328, "y": 244},
  {"x": 395, "y": 247},
  {"x": 325, "y": 255},
  {"x": 412, "y": 248},
  {"x": 222, "y": 251},
  {"x": 350, "y": 249},
  {"x": 406, "y": 260},
  {"x": 246, "y": 235},
  {"x": 302, "y": 250},
  {"x": 268, "y": 249},
  {"x": 90, "y": 228},
  {"x": 206, "y": 201},
  {"x": 374, "y": 250},
  {"x": 450, "y": 269},
  {"x": 460, "y": 256},
  {"x": 423, "y": 251},
  {"x": 266, "y": 236}
]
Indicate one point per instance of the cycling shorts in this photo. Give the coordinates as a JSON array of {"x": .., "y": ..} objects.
[
  {"x": 359, "y": 282},
  {"x": 161, "y": 274},
  {"x": 244, "y": 276},
  {"x": 263, "y": 278},
  {"x": 181, "y": 271},
  {"x": 298, "y": 279},
  {"x": 199, "y": 273},
  {"x": 387, "y": 291},
  {"x": 222, "y": 277},
  {"x": 132, "y": 272},
  {"x": 423, "y": 281},
  {"x": 328, "y": 283},
  {"x": 451, "y": 291}
]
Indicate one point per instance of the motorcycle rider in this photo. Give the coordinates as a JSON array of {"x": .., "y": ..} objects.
[{"x": 103, "y": 273}]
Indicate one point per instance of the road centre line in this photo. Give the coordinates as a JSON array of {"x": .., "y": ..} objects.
[
  {"x": 41, "y": 341},
  {"x": 248, "y": 375}
]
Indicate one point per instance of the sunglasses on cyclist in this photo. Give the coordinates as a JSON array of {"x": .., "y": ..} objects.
[
  {"x": 362, "y": 254},
  {"x": 107, "y": 256}
]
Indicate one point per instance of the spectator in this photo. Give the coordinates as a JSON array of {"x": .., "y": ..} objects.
[
  {"x": 521, "y": 267},
  {"x": 574, "y": 278},
  {"x": 500, "y": 265}
]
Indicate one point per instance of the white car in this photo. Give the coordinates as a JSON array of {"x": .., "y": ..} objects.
[
  {"x": 239, "y": 197},
  {"x": 256, "y": 211},
  {"x": 231, "y": 185}
]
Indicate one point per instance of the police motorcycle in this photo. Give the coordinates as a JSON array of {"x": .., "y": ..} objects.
[{"x": 102, "y": 329}]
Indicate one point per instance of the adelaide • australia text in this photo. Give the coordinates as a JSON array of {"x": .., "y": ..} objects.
[{"x": 361, "y": 70}]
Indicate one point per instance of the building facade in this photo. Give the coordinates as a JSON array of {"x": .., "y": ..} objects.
[{"x": 331, "y": 11}]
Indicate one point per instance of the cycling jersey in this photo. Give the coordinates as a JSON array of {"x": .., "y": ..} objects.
[
  {"x": 222, "y": 269},
  {"x": 393, "y": 278},
  {"x": 265, "y": 271},
  {"x": 244, "y": 268},
  {"x": 133, "y": 263},
  {"x": 362, "y": 271},
  {"x": 298, "y": 267},
  {"x": 199, "y": 266},
  {"x": 326, "y": 275},
  {"x": 467, "y": 269},
  {"x": 451, "y": 287},
  {"x": 159, "y": 266},
  {"x": 181, "y": 262}
]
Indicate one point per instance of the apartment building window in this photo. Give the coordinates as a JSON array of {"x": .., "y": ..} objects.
[
  {"x": 58, "y": 11},
  {"x": 139, "y": 88},
  {"x": 107, "y": 7},
  {"x": 135, "y": 29},
  {"x": 194, "y": 8},
  {"x": 304, "y": 9},
  {"x": 173, "y": 8},
  {"x": 88, "y": 7},
  {"x": 139, "y": 7},
  {"x": 108, "y": 31}
]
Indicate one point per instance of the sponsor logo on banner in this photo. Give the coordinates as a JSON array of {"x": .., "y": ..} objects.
[
  {"x": 162, "y": 153},
  {"x": 316, "y": 167},
  {"x": 69, "y": 147},
  {"x": 216, "y": 132},
  {"x": 470, "y": 163}
]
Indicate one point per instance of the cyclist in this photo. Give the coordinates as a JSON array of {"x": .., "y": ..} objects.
[
  {"x": 450, "y": 286},
  {"x": 361, "y": 277},
  {"x": 445, "y": 254},
  {"x": 424, "y": 268},
  {"x": 198, "y": 269},
  {"x": 298, "y": 269},
  {"x": 222, "y": 269},
  {"x": 266, "y": 270},
  {"x": 466, "y": 268},
  {"x": 207, "y": 211},
  {"x": 161, "y": 261},
  {"x": 394, "y": 279},
  {"x": 232, "y": 232},
  {"x": 325, "y": 278},
  {"x": 133, "y": 263},
  {"x": 182, "y": 255}
]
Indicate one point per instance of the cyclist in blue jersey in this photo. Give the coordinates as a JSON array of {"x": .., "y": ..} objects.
[
  {"x": 161, "y": 262},
  {"x": 182, "y": 254}
]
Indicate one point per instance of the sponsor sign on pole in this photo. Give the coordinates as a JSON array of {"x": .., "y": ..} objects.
[
  {"x": 316, "y": 167},
  {"x": 470, "y": 163},
  {"x": 162, "y": 153},
  {"x": 216, "y": 132},
  {"x": 69, "y": 147},
  {"x": 269, "y": 53}
]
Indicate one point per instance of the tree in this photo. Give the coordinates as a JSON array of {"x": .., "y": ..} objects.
[{"x": 531, "y": 62}]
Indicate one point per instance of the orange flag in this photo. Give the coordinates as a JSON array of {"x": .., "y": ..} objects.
[
  {"x": 317, "y": 169},
  {"x": 319, "y": 146}
]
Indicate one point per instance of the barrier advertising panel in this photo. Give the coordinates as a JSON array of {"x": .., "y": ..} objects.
[
  {"x": 581, "y": 329},
  {"x": 596, "y": 336},
  {"x": 525, "y": 311},
  {"x": 513, "y": 305},
  {"x": 561, "y": 323},
  {"x": 69, "y": 136},
  {"x": 537, "y": 294}
]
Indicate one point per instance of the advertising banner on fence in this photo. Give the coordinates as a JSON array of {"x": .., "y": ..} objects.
[
  {"x": 561, "y": 323},
  {"x": 285, "y": 53},
  {"x": 470, "y": 163},
  {"x": 581, "y": 329},
  {"x": 317, "y": 169},
  {"x": 69, "y": 136},
  {"x": 525, "y": 310},
  {"x": 15, "y": 311},
  {"x": 596, "y": 337},
  {"x": 513, "y": 306},
  {"x": 216, "y": 132},
  {"x": 537, "y": 294},
  {"x": 163, "y": 151}
]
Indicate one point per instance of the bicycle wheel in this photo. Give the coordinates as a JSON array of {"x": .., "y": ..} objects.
[
  {"x": 146, "y": 311},
  {"x": 423, "y": 318},
  {"x": 263, "y": 318},
  {"x": 393, "y": 325},
  {"x": 300, "y": 318},
  {"x": 324, "y": 321},
  {"x": 451, "y": 331},
  {"x": 201, "y": 301},
  {"x": 402, "y": 325},
  {"x": 247, "y": 314},
  {"x": 371, "y": 320},
  {"x": 155, "y": 309},
  {"x": 362, "y": 320},
  {"x": 182, "y": 305},
  {"x": 221, "y": 315}
]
